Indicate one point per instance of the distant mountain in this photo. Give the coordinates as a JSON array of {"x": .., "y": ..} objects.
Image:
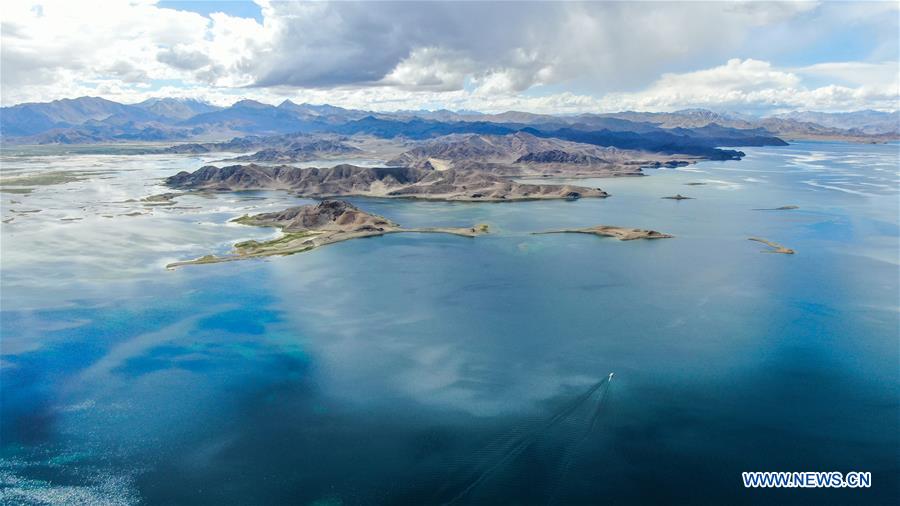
[
  {"x": 100, "y": 132},
  {"x": 611, "y": 122},
  {"x": 176, "y": 108},
  {"x": 250, "y": 116},
  {"x": 34, "y": 118},
  {"x": 686, "y": 118},
  {"x": 92, "y": 119},
  {"x": 438, "y": 115},
  {"x": 525, "y": 118},
  {"x": 419, "y": 128},
  {"x": 866, "y": 122},
  {"x": 324, "y": 112},
  {"x": 855, "y": 126},
  {"x": 285, "y": 142},
  {"x": 657, "y": 142}
]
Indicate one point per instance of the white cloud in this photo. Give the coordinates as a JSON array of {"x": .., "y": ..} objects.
[
  {"x": 490, "y": 56},
  {"x": 53, "y": 48},
  {"x": 430, "y": 68},
  {"x": 855, "y": 73},
  {"x": 753, "y": 84}
]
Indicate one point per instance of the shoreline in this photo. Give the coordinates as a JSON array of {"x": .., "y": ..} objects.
[
  {"x": 304, "y": 228},
  {"x": 620, "y": 233}
]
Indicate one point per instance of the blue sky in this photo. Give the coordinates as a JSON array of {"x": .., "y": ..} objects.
[
  {"x": 544, "y": 57},
  {"x": 238, "y": 9}
]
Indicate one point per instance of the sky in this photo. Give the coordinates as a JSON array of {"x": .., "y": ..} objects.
[{"x": 544, "y": 57}]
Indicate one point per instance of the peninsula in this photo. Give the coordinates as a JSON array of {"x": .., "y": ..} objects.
[{"x": 308, "y": 227}]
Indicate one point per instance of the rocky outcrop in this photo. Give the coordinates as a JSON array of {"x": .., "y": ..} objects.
[
  {"x": 328, "y": 215},
  {"x": 304, "y": 152},
  {"x": 338, "y": 180},
  {"x": 668, "y": 164},
  {"x": 559, "y": 156},
  {"x": 504, "y": 149},
  {"x": 406, "y": 182}
]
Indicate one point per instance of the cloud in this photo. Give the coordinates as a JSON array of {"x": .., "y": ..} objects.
[
  {"x": 727, "y": 84},
  {"x": 532, "y": 55},
  {"x": 855, "y": 73},
  {"x": 508, "y": 46},
  {"x": 184, "y": 58},
  {"x": 430, "y": 68},
  {"x": 750, "y": 85},
  {"x": 52, "y": 47},
  {"x": 55, "y": 44}
]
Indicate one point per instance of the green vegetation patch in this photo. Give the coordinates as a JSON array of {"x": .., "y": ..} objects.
[
  {"x": 245, "y": 220},
  {"x": 255, "y": 247},
  {"x": 206, "y": 259},
  {"x": 50, "y": 178}
]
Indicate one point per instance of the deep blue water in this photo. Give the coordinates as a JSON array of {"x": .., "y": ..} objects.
[{"x": 426, "y": 369}]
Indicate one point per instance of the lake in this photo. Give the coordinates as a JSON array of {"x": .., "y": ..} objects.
[{"x": 433, "y": 369}]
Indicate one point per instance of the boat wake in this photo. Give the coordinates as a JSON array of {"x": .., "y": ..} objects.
[{"x": 559, "y": 436}]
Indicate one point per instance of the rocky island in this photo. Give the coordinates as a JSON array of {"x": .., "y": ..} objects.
[
  {"x": 620, "y": 233},
  {"x": 397, "y": 182},
  {"x": 308, "y": 227}
]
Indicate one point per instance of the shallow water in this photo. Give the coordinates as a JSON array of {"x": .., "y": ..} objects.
[{"x": 422, "y": 368}]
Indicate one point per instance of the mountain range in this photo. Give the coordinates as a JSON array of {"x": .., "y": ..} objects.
[{"x": 690, "y": 131}]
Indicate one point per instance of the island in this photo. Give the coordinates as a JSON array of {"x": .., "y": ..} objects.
[
  {"x": 776, "y": 248},
  {"x": 161, "y": 199},
  {"x": 311, "y": 226},
  {"x": 620, "y": 233},
  {"x": 781, "y": 208},
  {"x": 391, "y": 182},
  {"x": 678, "y": 197}
]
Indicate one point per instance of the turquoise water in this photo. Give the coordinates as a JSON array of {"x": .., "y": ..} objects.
[{"x": 428, "y": 369}]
